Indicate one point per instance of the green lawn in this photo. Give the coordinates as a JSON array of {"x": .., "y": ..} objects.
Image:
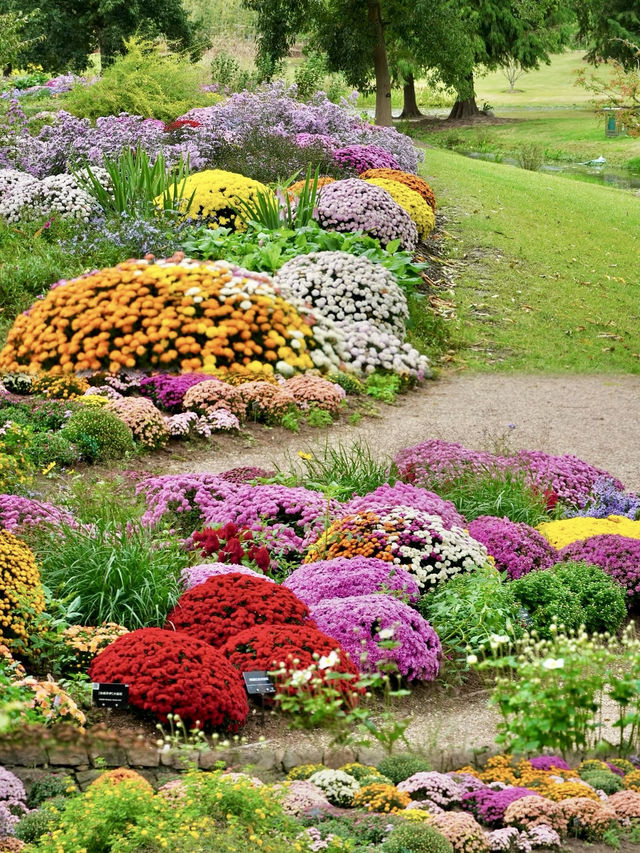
[{"x": 547, "y": 268}]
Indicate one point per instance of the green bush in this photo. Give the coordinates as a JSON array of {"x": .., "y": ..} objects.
[
  {"x": 45, "y": 449},
  {"x": 53, "y": 785},
  {"x": 37, "y": 823},
  {"x": 571, "y": 594},
  {"x": 98, "y": 435},
  {"x": 119, "y": 572},
  {"x": 416, "y": 838},
  {"x": 471, "y": 607},
  {"x": 148, "y": 80},
  {"x": 610, "y": 783},
  {"x": 400, "y": 767}
]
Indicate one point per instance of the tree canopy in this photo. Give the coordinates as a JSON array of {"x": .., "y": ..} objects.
[
  {"x": 76, "y": 28},
  {"x": 611, "y": 28}
]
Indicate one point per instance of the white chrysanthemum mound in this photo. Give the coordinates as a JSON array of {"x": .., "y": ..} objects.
[
  {"x": 29, "y": 198},
  {"x": 337, "y": 786},
  {"x": 346, "y": 288},
  {"x": 368, "y": 348}
]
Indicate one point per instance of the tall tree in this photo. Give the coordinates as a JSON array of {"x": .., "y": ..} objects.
[
  {"x": 611, "y": 28},
  {"x": 76, "y": 28}
]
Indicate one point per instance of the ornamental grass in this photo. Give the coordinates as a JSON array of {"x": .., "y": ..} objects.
[
  {"x": 414, "y": 182},
  {"x": 176, "y": 315},
  {"x": 420, "y": 212}
]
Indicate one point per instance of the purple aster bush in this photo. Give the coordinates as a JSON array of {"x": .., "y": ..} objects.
[
  {"x": 547, "y": 762},
  {"x": 354, "y": 205},
  {"x": 606, "y": 499},
  {"x": 13, "y": 801},
  {"x": 367, "y": 626},
  {"x": 303, "y": 140},
  {"x": 618, "y": 556},
  {"x": 437, "y": 461},
  {"x": 343, "y": 577},
  {"x": 572, "y": 479},
  {"x": 168, "y": 391},
  {"x": 182, "y": 499},
  {"x": 489, "y": 806},
  {"x": 516, "y": 547},
  {"x": 440, "y": 788},
  {"x": 291, "y": 518},
  {"x": 17, "y": 512},
  {"x": 193, "y": 575},
  {"x": 360, "y": 158},
  {"x": 404, "y": 494}
]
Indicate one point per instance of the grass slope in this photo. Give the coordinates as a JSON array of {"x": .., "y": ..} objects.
[{"x": 548, "y": 272}]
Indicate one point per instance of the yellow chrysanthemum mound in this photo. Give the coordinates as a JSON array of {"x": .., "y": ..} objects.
[
  {"x": 567, "y": 530},
  {"x": 21, "y": 591},
  {"x": 216, "y": 194},
  {"x": 417, "y": 208},
  {"x": 414, "y": 182},
  {"x": 175, "y": 315}
]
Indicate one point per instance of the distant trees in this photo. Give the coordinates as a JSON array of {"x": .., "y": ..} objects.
[{"x": 76, "y": 28}]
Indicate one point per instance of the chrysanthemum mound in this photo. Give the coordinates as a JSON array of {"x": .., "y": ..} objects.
[
  {"x": 171, "y": 672},
  {"x": 516, "y": 548},
  {"x": 420, "y": 212},
  {"x": 618, "y": 556},
  {"x": 343, "y": 577},
  {"x": 413, "y": 181},
  {"x": 217, "y": 195},
  {"x": 377, "y": 628},
  {"x": 224, "y": 605},
  {"x": 177, "y": 314}
]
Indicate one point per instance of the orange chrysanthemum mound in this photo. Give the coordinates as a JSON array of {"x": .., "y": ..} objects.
[
  {"x": 406, "y": 178},
  {"x": 175, "y": 315},
  {"x": 295, "y": 189}
]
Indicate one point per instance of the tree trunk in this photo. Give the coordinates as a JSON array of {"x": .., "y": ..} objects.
[
  {"x": 410, "y": 105},
  {"x": 381, "y": 65},
  {"x": 465, "y": 107}
]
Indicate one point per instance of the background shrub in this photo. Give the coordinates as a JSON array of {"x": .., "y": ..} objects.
[
  {"x": 400, "y": 767},
  {"x": 98, "y": 435},
  {"x": 416, "y": 838},
  {"x": 572, "y": 594}
]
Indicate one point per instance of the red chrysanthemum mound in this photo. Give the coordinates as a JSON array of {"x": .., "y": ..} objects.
[
  {"x": 268, "y": 646},
  {"x": 225, "y": 605},
  {"x": 170, "y": 672}
]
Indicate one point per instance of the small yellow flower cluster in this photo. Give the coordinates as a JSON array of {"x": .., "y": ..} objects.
[
  {"x": 20, "y": 589},
  {"x": 304, "y": 771},
  {"x": 632, "y": 780},
  {"x": 216, "y": 197},
  {"x": 411, "y": 201},
  {"x": 59, "y": 387},
  {"x": 381, "y": 797},
  {"x": 564, "y": 531},
  {"x": 567, "y": 790},
  {"x": 415, "y": 815},
  {"x": 86, "y": 640}
]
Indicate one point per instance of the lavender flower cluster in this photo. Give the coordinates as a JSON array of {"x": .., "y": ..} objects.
[
  {"x": 379, "y": 628},
  {"x": 17, "y": 512},
  {"x": 360, "y": 158},
  {"x": 618, "y": 556},
  {"x": 404, "y": 494},
  {"x": 354, "y": 205},
  {"x": 608, "y": 499},
  {"x": 489, "y": 806},
  {"x": 516, "y": 548},
  {"x": 441, "y": 788},
  {"x": 344, "y": 577},
  {"x": 193, "y": 575}
]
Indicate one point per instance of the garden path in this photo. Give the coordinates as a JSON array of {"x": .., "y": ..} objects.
[{"x": 596, "y": 417}]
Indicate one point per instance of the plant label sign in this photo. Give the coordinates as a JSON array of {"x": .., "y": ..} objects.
[
  {"x": 258, "y": 683},
  {"x": 114, "y": 695}
]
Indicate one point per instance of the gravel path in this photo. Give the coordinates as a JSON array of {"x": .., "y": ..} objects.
[{"x": 595, "y": 417}]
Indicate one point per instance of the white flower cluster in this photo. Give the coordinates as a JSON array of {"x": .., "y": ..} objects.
[
  {"x": 427, "y": 549},
  {"x": 29, "y": 198},
  {"x": 337, "y": 786},
  {"x": 367, "y": 348},
  {"x": 187, "y": 424},
  {"x": 347, "y": 288}
]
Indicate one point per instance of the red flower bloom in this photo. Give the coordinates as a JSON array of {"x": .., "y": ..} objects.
[
  {"x": 180, "y": 122},
  {"x": 233, "y": 544},
  {"x": 170, "y": 672},
  {"x": 224, "y": 605}
]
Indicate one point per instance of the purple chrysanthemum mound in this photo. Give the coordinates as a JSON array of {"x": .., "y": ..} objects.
[
  {"x": 440, "y": 788},
  {"x": 546, "y": 762},
  {"x": 404, "y": 494},
  {"x": 618, "y": 556},
  {"x": 17, "y": 512},
  {"x": 489, "y": 806},
  {"x": 194, "y": 575},
  {"x": 516, "y": 547},
  {"x": 360, "y": 158},
  {"x": 354, "y": 205},
  {"x": 188, "y": 497},
  {"x": 368, "y": 623},
  {"x": 168, "y": 391},
  {"x": 291, "y": 517},
  {"x": 245, "y": 474},
  {"x": 343, "y": 577},
  {"x": 572, "y": 479},
  {"x": 437, "y": 461}
]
